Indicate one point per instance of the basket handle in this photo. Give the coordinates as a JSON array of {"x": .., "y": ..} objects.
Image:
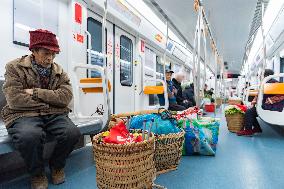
[{"x": 128, "y": 114}]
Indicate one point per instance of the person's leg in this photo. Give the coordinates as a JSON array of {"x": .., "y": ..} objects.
[
  {"x": 256, "y": 126},
  {"x": 250, "y": 119},
  {"x": 66, "y": 134},
  {"x": 28, "y": 138}
]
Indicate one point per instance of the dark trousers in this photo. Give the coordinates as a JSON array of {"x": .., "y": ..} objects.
[
  {"x": 176, "y": 107},
  {"x": 250, "y": 119},
  {"x": 29, "y": 134}
]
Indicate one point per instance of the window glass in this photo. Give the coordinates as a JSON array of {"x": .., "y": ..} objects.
[
  {"x": 95, "y": 29},
  {"x": 149, "y": 68},
  {"x": 126, "y": 59},
  {"x": 159, "y": 68}
]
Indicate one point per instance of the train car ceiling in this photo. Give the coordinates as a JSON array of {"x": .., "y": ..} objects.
[{"x": 229, "y": 24}]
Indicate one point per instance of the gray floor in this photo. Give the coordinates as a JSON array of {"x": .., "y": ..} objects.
[{"x": 241, "y": 163}]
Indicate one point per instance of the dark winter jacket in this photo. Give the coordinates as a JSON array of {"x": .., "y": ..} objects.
[
  {"x": 188, "y": 94},
  {"x": 179, "y": 97}
]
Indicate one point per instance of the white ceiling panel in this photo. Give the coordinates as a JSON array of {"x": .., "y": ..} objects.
[{"x": 229, "y": 22}]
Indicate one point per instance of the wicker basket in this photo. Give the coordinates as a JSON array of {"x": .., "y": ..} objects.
[
  {"x": 234, "y": 102},
  {"x": 218, "y": 102},
  {"x": 235, "y": 122},
  {"x": 124, "y": 166},
  {"x": 168, "y": 151}
]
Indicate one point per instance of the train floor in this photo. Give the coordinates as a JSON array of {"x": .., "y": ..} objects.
[{"x": 240, "y": 163}]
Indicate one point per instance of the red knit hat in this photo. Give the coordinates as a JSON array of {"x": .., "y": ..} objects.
[{"x": 43, "y": 39}]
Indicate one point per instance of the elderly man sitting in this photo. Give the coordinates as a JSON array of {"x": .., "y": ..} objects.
[{"x": 37, "y": 92}]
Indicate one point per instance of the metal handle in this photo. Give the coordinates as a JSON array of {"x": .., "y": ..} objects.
[
  {"x": 166, "y": 106},
  {"x": 77, "y": 111}
]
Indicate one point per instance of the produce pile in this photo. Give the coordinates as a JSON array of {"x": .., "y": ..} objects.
[{"x": 233, "y": 109}]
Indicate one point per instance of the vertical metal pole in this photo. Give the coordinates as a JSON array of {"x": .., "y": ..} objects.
[
  {"x": 194, "y": 62},
  {"x": 165, "y": 52},
  {"x": 205, "y": 53},
  {"x": 216, "y": 71},
  {"x": 263, "y": 43},
  {"x": 105, "y": 89},
  {"x": 198, "y": 57}
]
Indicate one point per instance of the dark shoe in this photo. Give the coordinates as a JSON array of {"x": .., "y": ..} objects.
[
  {"x": 57, "y": 176},
  {"x": 245, "y": 133},
  {"x": 257, "y": 130},
  {"x": 39, "y": 182}
]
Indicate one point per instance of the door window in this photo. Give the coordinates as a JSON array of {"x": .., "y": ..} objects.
[
  {"x": 126, "y": 59},
  {"x": 95, "y": 29}
]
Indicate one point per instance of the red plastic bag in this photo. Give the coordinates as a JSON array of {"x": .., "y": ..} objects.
[
  {"x": 242, "y": 107},
  {"x": 120, "y": 135},
  {"x": 209, "y": 107}
]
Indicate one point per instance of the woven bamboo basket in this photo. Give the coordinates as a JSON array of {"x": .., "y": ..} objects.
[
  {"x": 218, "y": 102},
  {"x": 235, "y": 122},
  {"x": 124, "y": 166},
  {"x": 234, "y": 101},
  {"x": 168, "y": 151}
]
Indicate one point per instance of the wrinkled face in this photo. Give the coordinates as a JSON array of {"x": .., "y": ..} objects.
[
  {"x": 168, "y": 76},
  {"x": 44, "y": 57}
]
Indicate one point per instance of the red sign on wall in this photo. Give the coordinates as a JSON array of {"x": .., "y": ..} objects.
[
  {"x": 80, "y": 38},
  {"x": 78, "y": 13},
  {"x": 142, "y": 46}
]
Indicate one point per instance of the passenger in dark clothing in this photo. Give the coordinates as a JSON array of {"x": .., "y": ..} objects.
[
  {"x": 188, "y": 94},
  {"x": 172, "y": 92},
  {"x": 251, "y": 125},
  {"x": 179, "y": 97},
  {"x": 210, "y": 92}
]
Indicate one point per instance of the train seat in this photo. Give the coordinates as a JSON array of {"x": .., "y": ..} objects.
[{"x": 87, "y": 127}]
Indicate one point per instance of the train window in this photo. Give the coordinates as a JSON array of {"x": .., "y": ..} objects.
[
  {"x": 33, "y": 14},
  {"x": 126, "y": 59},
  {"x": 159, "y": 68},
  {"x": 95, "y": 29},
  {"x": 149, "y": 62}
]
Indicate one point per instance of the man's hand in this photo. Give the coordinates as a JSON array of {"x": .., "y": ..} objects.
[
  {"x": 170, "y": 94},
  {"x": 29, "y": 91},
  {"x": 175, "y": 91},
  {"x": 268, "y": 101},
  {"x": 253, "y": 103}
]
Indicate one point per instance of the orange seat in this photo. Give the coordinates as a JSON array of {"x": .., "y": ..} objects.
[
  {"x": 253, "y": 92},
  {"x": 153, "y": 90},
  {"x": 273, "y": 88},
  {"x": 93, "y": 81}
]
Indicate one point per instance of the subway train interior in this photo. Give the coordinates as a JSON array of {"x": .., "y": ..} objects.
[{"x": 208, "y": 75}]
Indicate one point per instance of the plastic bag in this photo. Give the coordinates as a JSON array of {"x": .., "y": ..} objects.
[
  {"x": 119, "y": 134},
  {"x": 201, "y": 136},
  {"x": 162, "y": 124}
]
